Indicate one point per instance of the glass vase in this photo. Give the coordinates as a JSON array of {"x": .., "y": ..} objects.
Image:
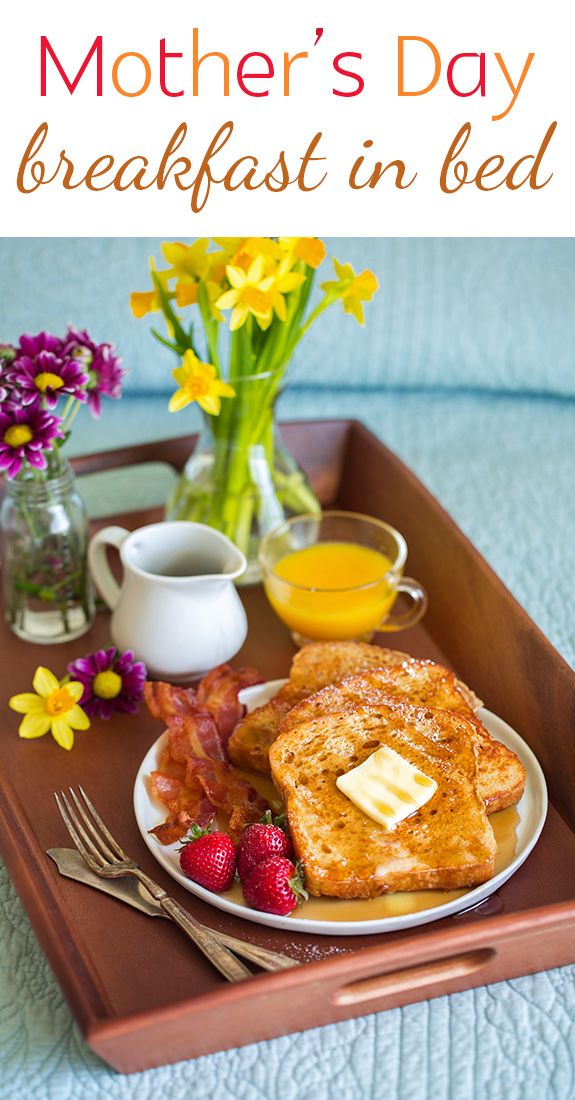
[
  {"x": 48, "y": 596},
  {"x": 241, "y": 477}
]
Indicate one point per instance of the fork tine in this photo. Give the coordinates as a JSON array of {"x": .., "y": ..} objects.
[
  {"x": 63, "y": 806},
  {"x": 94, "y": 848},
  {"x": 90, "y": 825},
  {"x": 119, "y": 852}
]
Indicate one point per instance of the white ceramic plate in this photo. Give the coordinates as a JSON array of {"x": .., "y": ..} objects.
[{"x": 391, "y": 913}]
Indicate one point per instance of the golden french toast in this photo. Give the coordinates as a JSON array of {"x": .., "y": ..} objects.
[
  {"x": 313, "y": 668},
  {"x": 382, "y": 673},
  {"x": 248, "y": 746},
  {"x": 500, "y": 773},
  {"x": 446, "y": 844}
]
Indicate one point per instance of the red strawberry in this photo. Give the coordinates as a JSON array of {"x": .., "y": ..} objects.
[
  {"x": 209, "y": 859},
  {"x": 275, "y": 886},
  {"x": 259, "y": 842}
]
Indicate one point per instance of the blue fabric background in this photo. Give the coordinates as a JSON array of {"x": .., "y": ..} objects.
[
  {"x": 465, "y": 368},
  {"x": 467, "y": 313}
]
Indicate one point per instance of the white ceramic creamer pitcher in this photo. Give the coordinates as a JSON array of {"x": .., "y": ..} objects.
[{"x": 177, "y": 608}]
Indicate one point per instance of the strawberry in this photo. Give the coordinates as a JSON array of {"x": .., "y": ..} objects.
[
  {"x": 209, "y": 859},
  {"x": 259, "y": 842},
  {"x": 275, "y": 886}
]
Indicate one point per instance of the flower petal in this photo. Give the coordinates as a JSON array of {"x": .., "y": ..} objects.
[
  {"x": 75, "y": 690},
  {"x": 62, "y": 732},
  {"x": 210, "y": 403},
  {"x": 223, "y": 388},
  {"x": 34, "y": 725},
  {"x": 77, "y": 719},
  {"x": 27, "y": 703},
  {"x": 227, "y": 300},
  {"x": 239, "y": 317},
  {"x": 44, "y": 682},
  {"x": 236, "y": 278},
  {"x": 178, "y": 401}
]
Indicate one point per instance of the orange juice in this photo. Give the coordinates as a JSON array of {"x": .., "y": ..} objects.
[{"x": 332, "y": 591}]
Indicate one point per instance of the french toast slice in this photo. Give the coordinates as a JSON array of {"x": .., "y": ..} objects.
[
  {"x": 382, "y": 673},
  {"x": 446, "y": 844},
  {"x": 248, "y": 746},
  {"x": 500, "y": 773},
  {"x": 314, "y": 667}
]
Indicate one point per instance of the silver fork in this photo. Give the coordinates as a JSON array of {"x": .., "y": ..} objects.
[{"x": 106, "y": 858}]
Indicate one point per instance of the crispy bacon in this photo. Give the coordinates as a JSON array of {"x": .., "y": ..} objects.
[
  {"x": 224, "y": 788},
  {"x": 194, "y": 735},
  {"x": 193, "y": 778},
  {"x": 186, "y": 803},
  {"x": 218, "y": 693},
  {"x": 166, "y": 700}
]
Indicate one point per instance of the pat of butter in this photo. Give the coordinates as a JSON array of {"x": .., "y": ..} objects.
[{"x": 386, "y": 787}]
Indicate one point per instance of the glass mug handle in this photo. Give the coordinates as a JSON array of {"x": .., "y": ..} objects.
[{"x": 418, "y": 595}]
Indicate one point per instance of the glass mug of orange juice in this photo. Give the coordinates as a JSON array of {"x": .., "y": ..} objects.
[{"x": 336, "y": 577}]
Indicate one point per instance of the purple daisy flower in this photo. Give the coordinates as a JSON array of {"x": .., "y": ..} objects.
[
  {"x": 103, "y": 365},
  {"x": 112, "y": 681},
  {"x": 33, "y": 345},
  {"x": 25, "y": 435},
  {"x": 46, "y": 377}
]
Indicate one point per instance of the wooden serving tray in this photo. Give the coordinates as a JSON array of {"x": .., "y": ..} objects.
[{"x": 140, "y": 992}]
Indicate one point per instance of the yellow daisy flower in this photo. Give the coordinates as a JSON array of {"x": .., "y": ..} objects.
[
  {"x": 51, "y": 707},
  {"x": 198, "y": 382},
  {"x": 351, "y": 288},
  {"x": 247, "y": 295}
]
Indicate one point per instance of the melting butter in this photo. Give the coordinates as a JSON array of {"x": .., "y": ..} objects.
[{"x": 387, "y": 787}]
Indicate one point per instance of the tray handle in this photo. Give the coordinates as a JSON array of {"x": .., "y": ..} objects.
[{"x": 412, "y": 977}]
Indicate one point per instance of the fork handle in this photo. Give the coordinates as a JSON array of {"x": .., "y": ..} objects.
[{"x": 219, "y": 955}]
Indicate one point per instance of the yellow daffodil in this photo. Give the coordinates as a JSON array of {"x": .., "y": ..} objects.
[
  {"x": 351, "y": 288},
  {"x": 190, "y": 260},
  {"x": 52, "y": 706},
  {"x": 280, "y": 283},
  {"x": 248, "y": 295},
  {"x": 198, "y": 382},
  {"x": 309, "y": 249},
  {"x": 143, "y": 301},
  {"x": 186, "y": 293},
  {"x": 148, "y": 301},
  {"x": 251, "y": 248}
]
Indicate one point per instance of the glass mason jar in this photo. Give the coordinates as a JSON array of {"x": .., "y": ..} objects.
[
  {"x": 48, "y": 596},
  {"x": 241, "y": 477}
]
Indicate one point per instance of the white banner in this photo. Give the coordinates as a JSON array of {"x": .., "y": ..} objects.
[{"x": 399, "y": 118}]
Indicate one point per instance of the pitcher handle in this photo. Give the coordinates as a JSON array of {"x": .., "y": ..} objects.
[
  {"x": 418, "y": 595},
  {"x": 98, "y": 561}
]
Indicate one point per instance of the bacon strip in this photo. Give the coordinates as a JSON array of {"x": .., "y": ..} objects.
[
  {"x": 166, "y": 700},
  {"x": 218, "y": 693},
  {"x": 195, "y": 735},
  {"x": 225, "y": 790},
  {"x": 193, "y": 778},
  {"x": 186, "y": 803}
]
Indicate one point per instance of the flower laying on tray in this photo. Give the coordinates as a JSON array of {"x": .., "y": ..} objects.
[
  {"x": 112, "y": 681},
  {"x": 96, "y": 686}
]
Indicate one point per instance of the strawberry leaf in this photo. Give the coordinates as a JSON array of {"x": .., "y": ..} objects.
[
  {"x": 296, "y": 882},
  {"x": 195, "y": 832}
]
